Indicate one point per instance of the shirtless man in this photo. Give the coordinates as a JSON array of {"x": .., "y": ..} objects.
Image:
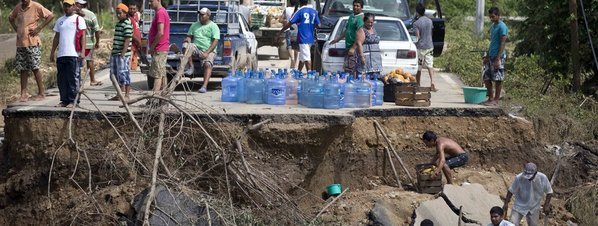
[{"x": 448, "y": 154}]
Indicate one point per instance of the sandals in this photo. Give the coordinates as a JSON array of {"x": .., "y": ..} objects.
[
  {"x": 65, "y": 105},
  {"x": 98, "y": 83}
]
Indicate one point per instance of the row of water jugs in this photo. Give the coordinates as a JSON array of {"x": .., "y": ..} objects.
[{"x": 330, "y": 91}]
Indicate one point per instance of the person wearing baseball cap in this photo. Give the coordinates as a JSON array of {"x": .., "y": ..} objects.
[
  {"x": 67, "y": 29},
  {"x": 529, "y": 187},
  {"x": 202, "y": 40}
]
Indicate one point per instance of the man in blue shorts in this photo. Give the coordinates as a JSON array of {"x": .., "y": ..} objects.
[
  {"x": 494, "y": 62},
  {"x": 449, "y": 154}
]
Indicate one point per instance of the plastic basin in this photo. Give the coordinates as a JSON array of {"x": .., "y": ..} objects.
[
  {"x": 334, "y": 189},
  {"x": 474, "y": 95}
]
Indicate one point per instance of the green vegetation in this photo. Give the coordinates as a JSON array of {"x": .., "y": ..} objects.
[
  {"x": 525, "y": 80},
  {"x": 551, "y": 39}
]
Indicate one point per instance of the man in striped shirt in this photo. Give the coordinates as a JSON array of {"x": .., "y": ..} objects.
[{"x": 121, "y": 51}]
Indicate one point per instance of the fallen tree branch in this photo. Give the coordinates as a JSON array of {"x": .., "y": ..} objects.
[
  {"x": 122, "y": 99},
  {"x": 328, "y": 205},
  {"x": 157, "y": 157}
]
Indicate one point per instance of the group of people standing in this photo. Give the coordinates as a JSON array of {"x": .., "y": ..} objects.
[{"x": 77, "y": 35}]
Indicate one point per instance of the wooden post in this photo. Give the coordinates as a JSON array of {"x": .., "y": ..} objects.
[
  {"x": 392, "y": 165},
  {"x": 574, "y": 45},
  {"x": 479, "y": 18},
  {"x": 379, "y": 127}
]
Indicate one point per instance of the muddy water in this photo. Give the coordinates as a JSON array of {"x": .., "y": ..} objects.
[{"x": 304, "y": 153}]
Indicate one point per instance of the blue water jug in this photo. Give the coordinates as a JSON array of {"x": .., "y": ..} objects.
[
  {"x": 316, "y": 92},
  {"x": 241, "y": 79},
  {"x": 299, "y": 77},
  {"x": 379, "y": 90},
  {"x": 306, "y": 85},
  {"x": 349, "y": 92},
  {"x": 229, "y": 88},
  {"x": 363, "y": 92},
  {"x": 332, "y": 93},
  {"x": 255, "y": 89},
  {"x": 277, "y": 90}
]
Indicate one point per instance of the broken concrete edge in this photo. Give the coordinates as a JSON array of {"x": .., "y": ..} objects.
[
  {"x": 455, "y": 209},
  {"x": 332, "y": 119}
]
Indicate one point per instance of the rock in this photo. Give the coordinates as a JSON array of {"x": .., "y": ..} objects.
[
  {"x": 175, "y": 208},
  {"x": 492, "y": 169},
  {"x": 383, "y": 214}
]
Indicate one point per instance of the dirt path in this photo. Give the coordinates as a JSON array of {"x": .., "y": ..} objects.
[{"x": 7, "y": 45}]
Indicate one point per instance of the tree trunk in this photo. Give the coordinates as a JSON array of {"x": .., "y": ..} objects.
[{"x": 574, "y": 45}]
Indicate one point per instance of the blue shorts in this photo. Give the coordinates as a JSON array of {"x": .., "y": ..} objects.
[
  {"x": 492, "y": 74},
  {"x": 119, "y": 67},
  {"x": 456, "y": 161}
]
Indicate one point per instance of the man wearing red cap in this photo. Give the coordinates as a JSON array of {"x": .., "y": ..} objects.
[{"x": 529, "y": 187}]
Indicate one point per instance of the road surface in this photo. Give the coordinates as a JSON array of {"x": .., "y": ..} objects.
[{"x": 450, "y": 95}]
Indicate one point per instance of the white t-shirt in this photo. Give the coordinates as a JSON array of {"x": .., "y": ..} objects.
[
  {"x": 66, "y": 27},
  {"x": 503, "y": 223},
  {"x": 288, "y": 12},
  {"x": 529, "y": 194}
]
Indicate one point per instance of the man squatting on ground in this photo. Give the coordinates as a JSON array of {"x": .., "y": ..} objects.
[
  {"x": 24, "y": 20},
  {"x": 529, "y": 187},
  {"x": 67, "y": 63},
  {"x": 449, "y": 154},
  {"x": 204, "y": 36}
]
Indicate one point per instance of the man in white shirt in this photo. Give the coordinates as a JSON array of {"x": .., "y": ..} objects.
[
  {"x": 69, "y": 55},
  {"x": 529, "y": 187},
  {"x": 496, "y": 217}
]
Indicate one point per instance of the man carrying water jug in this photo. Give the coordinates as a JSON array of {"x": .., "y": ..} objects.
[{"x": 205, "y": 35}]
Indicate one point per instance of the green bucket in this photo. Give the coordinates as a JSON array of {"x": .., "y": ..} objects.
[
  {"x": 334, "y": 189},
  {"x": 474, "y": 95}
]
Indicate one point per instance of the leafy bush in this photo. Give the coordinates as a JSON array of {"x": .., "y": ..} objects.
[{"x": 525, "y": 80}]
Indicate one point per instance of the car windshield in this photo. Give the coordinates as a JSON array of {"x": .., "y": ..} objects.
[
  {"x": 388, "y": 30},
  {"x": 391, "y": 8}
]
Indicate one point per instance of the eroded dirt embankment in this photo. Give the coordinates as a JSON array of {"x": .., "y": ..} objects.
[{"x": 305, "y": 156}]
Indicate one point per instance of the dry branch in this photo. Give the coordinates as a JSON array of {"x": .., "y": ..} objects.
[
  {"x": 157, "y": 157},
  {"x": 328, "y": 205},
  {"x": 379, "y": 127}
]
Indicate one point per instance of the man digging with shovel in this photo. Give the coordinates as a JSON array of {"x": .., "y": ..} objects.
[{"x": 529, "y": 187}]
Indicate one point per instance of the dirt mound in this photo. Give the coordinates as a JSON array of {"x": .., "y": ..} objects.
[{"x": 302, "y": 158}]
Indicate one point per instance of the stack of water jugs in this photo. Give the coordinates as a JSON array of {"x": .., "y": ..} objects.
[{"x": 280, "y": 87}]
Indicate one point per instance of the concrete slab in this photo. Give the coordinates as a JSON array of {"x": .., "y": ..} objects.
[
  {"x": 447, "y": 101},
  {"x": 437, "y": 211},
  {"x": 474, "y": 198}
]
